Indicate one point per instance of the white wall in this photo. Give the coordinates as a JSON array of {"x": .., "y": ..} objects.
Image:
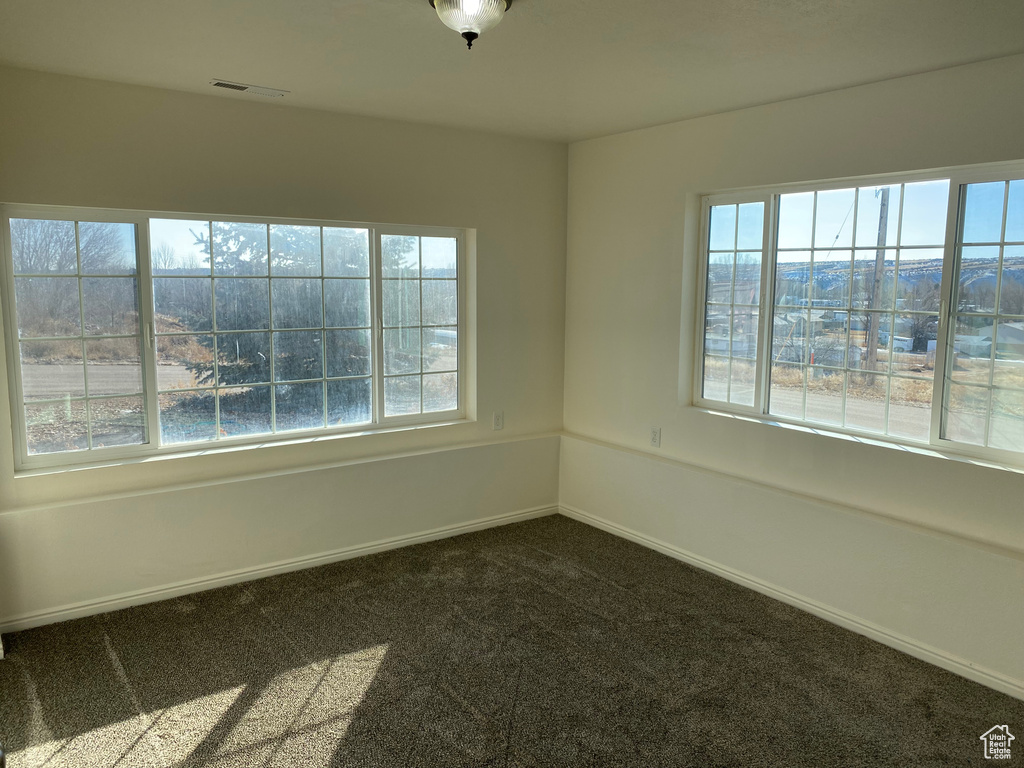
[
  {"x": 58, "y": 561},
  {"x": 69, "y": 141},
  {"x": 631, "y": 290}
]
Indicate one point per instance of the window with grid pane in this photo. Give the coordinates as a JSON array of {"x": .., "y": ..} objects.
[
  {"x": 732, "y": 315},
  {"x": 858, "y": 274},
  {"x": 985, "y": 399},
  {"x": 260, "y": 328},
  {"x": 155, "y": 332},
  {"x": 78, "y": 334},
  {"x": 884, "y": 317},
  {"x": 420, "y": 299}
]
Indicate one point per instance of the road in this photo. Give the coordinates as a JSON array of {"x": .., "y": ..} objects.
[
  {"x": 905, "y": 420},
  {"x": 44, "y": 382},
  {"x": 822, "y": 407}
]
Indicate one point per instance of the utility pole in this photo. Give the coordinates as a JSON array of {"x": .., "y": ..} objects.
[{"x": 876, "y": 288}]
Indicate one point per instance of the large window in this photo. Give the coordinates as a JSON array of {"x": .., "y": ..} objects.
[
  {"x": 133, "y": 334},
  {"x": 892, "y": 308}
]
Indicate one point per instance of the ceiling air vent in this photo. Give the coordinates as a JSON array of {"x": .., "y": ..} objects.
[{"x": 256, "y": 90}]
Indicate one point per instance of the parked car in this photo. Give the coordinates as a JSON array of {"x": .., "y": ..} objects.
[{"x": 899, "y": 343}]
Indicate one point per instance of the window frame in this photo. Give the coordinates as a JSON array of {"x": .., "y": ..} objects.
[
  {"x": 937, "y": 443},
  {"x": 377, "y": 232},
  {"x": 24, "y": 462},
  {"x": 767, "y": 275}
]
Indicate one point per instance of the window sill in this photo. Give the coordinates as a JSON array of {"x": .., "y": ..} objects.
[
  {"x": 948, "y": 454},
  {"x": 171, "y": 453}
]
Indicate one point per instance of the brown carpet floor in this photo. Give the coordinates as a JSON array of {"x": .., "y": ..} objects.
[{"x": 546, "y": 643}]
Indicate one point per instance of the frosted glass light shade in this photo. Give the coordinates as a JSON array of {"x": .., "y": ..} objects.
[{"x": 470, "y": 18}]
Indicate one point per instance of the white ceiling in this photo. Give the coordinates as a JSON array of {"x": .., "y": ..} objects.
[{"x": 553, "y": 69}]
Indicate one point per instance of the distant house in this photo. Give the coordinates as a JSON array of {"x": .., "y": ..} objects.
[
  {"x": 791, "y": 332},
  {"x": 1009, "y": 340},
  {"x": 796, "y": 325},
  {"x": 743, "y": 340}
]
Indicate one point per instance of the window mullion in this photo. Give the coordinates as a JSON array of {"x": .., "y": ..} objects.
[
  {"x": 323, "y": 325},
  {"x": 947, "y": 311},
  {"x": 377, "y": 320},
  {"x": 732, "y": 304},
  {"x": 10, "y": 320},
  {"x": 419, "y": 322},
  {"x": 767, "y": 309},
  {"x": 701, "y": 313},
  {"x": 81, "y": 335},
  {"x": 150, "y": 385},
  {"x": 215, "y": 390},
  {"x": 461, "y": 333},
  {"x": 270, "y": 333}
]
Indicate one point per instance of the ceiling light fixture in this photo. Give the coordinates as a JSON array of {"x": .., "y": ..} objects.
[{"x": 470, "y": 18}]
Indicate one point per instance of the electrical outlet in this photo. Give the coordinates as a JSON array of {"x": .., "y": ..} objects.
[
  {"x": 656, "y": 437},
  {"x": 499, "y": 420}
]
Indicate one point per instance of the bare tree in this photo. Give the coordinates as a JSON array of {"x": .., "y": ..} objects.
[
  {"x": 163, "y": 259},
  {"x": 47, "y": 256},
  {"x": 1012, "y": 300}
]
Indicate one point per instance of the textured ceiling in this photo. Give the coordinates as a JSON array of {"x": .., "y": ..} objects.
[{"x": 554, "y": 69}]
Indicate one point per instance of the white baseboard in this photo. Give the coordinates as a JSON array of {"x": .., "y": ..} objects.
[
  {"x": 139, "y": 597},
  {"x": 989, "y": 678}
]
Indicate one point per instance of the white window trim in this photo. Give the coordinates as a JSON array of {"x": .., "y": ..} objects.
[
  {"x": 936, "y": 445},
  {"x": 28, "y": 464}
]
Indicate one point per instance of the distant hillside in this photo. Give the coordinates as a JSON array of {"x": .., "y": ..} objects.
[{"x": 833, "y": 277}]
